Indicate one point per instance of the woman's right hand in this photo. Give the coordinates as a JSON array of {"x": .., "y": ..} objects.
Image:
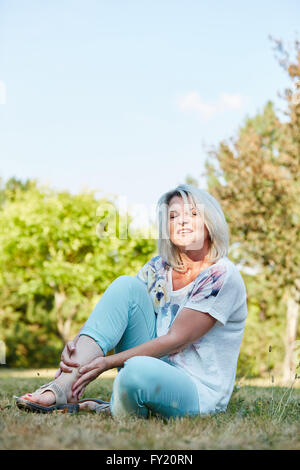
[{"x": 67, "y": 364}]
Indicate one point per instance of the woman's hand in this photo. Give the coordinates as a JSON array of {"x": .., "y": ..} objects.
[
  {"x": 88, "y": 373},
  {"x": 66, "y": 364}
]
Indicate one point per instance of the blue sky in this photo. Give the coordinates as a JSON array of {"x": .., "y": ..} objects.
[{"x": 125, "y": 96}]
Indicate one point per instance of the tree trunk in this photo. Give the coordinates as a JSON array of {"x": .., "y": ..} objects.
[
  {"x": 291, "y": 345},
  {"x": 63, "y": 324}
]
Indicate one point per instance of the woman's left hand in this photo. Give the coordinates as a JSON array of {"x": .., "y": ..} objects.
[{"x": 88, "y": 373}]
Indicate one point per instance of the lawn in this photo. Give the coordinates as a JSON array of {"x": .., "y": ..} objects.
[{"x": 259, "y": 416}]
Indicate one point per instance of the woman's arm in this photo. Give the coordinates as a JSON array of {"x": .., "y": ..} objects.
[{"x": 188, "y": 326}]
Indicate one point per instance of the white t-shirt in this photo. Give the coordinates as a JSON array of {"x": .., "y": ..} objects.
[{"x": 210, "y": 361}]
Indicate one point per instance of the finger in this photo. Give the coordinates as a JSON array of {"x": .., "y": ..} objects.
[
  {"x": 66, "y": 360},
  {"x": 58, "y": 372},
  {"x": 88, "y": 367},
  {"x": 79, "y": 390},
  {"x": 79, "y": 393},
  {"x": 85, "y": 378},
  {"x": 71, "y": 347},
  {"x": 78, "y": 384},
  {"x": 65, "y": 368}
]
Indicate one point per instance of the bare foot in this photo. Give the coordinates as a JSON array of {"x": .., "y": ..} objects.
[
  {"x": 47, "y": 398},
  {"x": 88, "y": 406},
  {"x": 93, "y": 406}
]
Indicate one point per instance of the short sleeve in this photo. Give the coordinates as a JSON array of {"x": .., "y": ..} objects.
[{"x": 221, "y": 293}]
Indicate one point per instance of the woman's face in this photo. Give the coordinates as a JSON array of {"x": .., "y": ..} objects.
[{"x": 186, "y": 225}]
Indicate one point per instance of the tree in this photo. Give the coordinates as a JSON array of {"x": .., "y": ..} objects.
[
  {"x": 255, "y": 177},
  {"x": 12, "y": 185},
  {"x": 191, "y": 180},
  {"x": 55, "y": 267}
]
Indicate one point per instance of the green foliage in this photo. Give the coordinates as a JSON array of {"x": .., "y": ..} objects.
[
  {"x": 265, "y": 327},
  {"x": 55, "y": 267},
  {"x": 189, "y": 179}
]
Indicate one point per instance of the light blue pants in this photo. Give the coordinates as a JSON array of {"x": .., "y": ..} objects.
[{"x": 124, "y": 318}]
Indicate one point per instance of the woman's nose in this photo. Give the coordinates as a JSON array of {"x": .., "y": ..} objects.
[{"x": 184, "y": 219}]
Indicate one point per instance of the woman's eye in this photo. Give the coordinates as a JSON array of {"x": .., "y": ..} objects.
[{"x": 172, "y": 216}]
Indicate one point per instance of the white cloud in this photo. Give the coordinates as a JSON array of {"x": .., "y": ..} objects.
[
  {"x": 193, "y": 102},
  {"x": 231, "y": 101}
]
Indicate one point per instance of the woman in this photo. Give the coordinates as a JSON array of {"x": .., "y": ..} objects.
[{"x": 176, "y": 327}]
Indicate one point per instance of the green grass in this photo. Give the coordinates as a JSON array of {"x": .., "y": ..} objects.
[{"x": 258, "y": 417}]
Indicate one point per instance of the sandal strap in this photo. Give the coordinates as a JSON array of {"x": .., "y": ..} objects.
[
  {"x": 60, "y": 396},
  {"x": 102, "y": 408},
  {"x": 42, "y": 387}
]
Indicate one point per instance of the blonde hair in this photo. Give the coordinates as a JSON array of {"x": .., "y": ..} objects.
[{"x": 214, "y": 220}]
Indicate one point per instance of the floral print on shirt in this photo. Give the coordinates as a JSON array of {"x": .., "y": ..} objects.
[{"x": 155, "y": 274}]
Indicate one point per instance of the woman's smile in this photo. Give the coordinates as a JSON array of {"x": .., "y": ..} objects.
[{"x": 184, "y": 231}]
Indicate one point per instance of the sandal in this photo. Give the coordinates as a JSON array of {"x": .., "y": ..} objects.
[{"x": 61, "y": 404}]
